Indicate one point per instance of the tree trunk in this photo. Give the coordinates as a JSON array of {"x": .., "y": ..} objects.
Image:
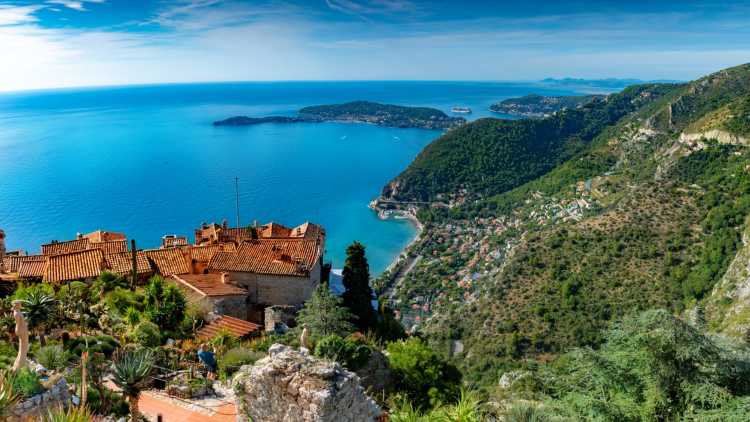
[
  {"x": 42, "y": 339},
  {"x": 135, "y": 414}
]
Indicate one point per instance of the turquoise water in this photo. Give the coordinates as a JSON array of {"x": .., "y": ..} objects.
[{"x": 147, "y": 161}]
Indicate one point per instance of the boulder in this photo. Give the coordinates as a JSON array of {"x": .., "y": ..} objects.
[{"x": 292, "y": 386}]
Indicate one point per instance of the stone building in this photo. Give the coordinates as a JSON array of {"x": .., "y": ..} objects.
[
  {"x": 172, "y": 240},
  {"x": 215, "y": 293},
  {"x": 274, "y": 271}
]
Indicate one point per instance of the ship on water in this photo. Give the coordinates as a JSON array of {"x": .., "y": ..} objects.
[{"x": 461, "y": 110}]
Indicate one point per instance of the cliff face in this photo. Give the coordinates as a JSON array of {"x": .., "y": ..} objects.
[{"x": 290, "y": 385}]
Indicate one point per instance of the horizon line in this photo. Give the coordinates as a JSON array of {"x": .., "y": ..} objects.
[{"x": 4, "y": 91}]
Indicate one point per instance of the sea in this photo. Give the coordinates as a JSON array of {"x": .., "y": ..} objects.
[{"x": 147, "y": 161}]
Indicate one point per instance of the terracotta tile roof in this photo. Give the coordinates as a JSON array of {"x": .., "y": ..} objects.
[
  {"x": 270, "y": 256},
  {"x": 236, "y": 326},
  {"x": 104, "y": 236},
  {"x": 122, "y": 263},
  {"x": 32, "y": 267},
  {"x": 56, "y": 248},
  {"x": 206, "y": 252},
  {"x": 272, "y": 230},
  {"x": 12, "y": 262},
  {"x": 74, "y": 266},
  {"x": 110, "y": 246},
  {"x": 168, "y": 261},
  {"x": 208, "y": 285},
  {"x": 308, "y": 231},
  {"x": 212, "y": 233},
  {"x": 237, "y": 235}
]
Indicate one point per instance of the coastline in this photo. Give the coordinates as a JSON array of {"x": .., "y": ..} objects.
[{"x": 398, "y": 214}]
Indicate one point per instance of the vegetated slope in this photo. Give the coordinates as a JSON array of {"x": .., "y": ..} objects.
[
  {"x": 491, "y": 156},
  {"x": 645, "y": 216}
]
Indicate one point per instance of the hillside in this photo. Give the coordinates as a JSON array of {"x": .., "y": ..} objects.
[
  {"x": 491, "y": 156},
  {"x": 536, "y": 257}
]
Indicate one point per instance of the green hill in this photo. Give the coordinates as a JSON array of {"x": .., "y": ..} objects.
[
  {"x": 571, "y": 222},
  {"x": 491, "y": 156}
]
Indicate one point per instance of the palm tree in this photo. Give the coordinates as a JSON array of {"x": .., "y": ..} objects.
[
  {"x": 39, "y": 308},
  {"x": 130, "y": 372},
  {"x": 8, "y": 396}
]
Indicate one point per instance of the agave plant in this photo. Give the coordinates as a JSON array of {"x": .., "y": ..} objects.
[
  {"x": 527, "y": 412},
  {"x": 72, "y": 414},
  {"x": 8, "y": 396},
  {"x": 467, "y": 409},
  {"x": 38, "y": 308},
  {"x": 130, "y": 372}
]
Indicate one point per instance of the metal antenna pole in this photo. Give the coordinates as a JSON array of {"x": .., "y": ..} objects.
[{"x": 237, "y": 197}]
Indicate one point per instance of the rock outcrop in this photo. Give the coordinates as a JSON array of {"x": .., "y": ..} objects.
[{"x": 290, "y": 385}]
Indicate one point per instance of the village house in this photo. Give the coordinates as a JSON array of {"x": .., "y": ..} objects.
[
  {"x": 214, "y": 292},
  {"x": 237, "y": 272}
]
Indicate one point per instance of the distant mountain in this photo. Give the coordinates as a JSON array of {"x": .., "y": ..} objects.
[{"x": 606, "y": 83}]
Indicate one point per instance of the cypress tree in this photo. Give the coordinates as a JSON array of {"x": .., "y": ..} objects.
[{"x": 358, "y": 294}]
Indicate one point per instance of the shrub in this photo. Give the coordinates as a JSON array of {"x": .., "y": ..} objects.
[
  {"x": 421, "y": 374},
  {"x": 52, "y": 357},
  {"x": 224, "y": 340},
  {"x": 26, "y": 383},
  {"x": 111, "y": 404},
  {"x": 350, "y": 353},
  {"x": 7, "y": 355},
  {"x": 164, "y": 304},
  {"x": 232, "y": 359},
  {"x": 9, "y": 396},
  {"x": 132, "y": 316},
  {"x": 146, "y": 334},
  {"x": 119, "y": 300},
  {"x": 105, "y": 345}
]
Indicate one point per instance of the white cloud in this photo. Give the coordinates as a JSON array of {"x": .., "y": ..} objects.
[
  {"x": 371, "y": 7},
  {"x": 74, "y": 4},
  {"x": 213, "y": 40},
  {"x": 14, "y": 15}
]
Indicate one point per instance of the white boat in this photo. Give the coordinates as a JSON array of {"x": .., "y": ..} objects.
[{"x": 461, "y": 110}]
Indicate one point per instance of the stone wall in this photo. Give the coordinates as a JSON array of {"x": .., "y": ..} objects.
[
  {"x": 290, "y": 385},
  {"x": 56, "y": 396},
  {"x": 234, "y": 306},
  {"x": 280, "y": 314},
  {"x": 277, "y": 290}
]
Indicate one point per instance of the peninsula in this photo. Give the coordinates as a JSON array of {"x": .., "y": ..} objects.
[
  {"x": 537, "y": 106},
  {"x": 359, "y": 112}
]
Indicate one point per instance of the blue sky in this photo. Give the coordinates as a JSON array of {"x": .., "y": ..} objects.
[{"x": 62, "y": 43}]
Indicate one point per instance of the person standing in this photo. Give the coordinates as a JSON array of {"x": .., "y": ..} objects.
[{"x": 208, "y": 359}]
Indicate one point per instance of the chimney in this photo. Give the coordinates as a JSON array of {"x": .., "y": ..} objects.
[{"x": 224, "y": 278}]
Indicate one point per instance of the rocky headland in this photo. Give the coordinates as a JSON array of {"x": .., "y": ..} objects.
[{"x": 359, "y": 112}]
